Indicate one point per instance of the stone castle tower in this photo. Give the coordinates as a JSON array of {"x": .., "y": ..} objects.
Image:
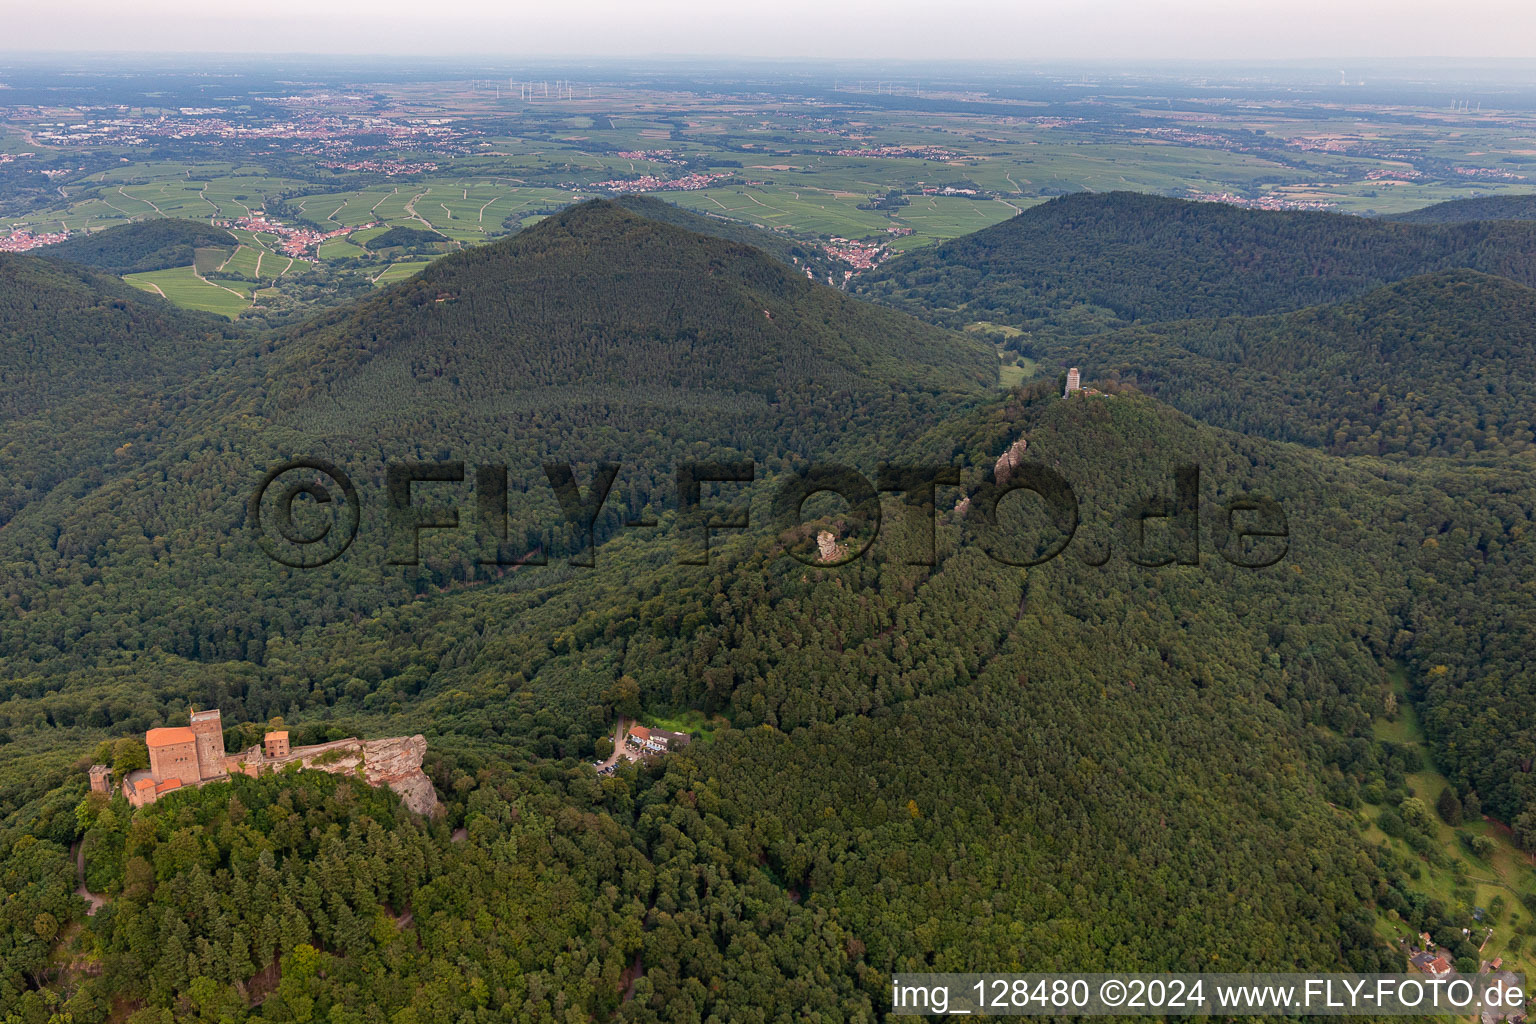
[
  {"x": 101, "y": 778},
  {"x": 208, "y": 729}
]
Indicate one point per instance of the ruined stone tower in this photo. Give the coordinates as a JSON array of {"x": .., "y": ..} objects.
[{"x": 101, "y": 778}]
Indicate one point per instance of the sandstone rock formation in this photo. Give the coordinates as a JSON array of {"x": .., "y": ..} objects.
[
  {"x": 1009, "y": 460},
  {"x": 828, "y": 549},
  {"x": 396, "y": 763},
  {"x": 1001, "y": 470}
]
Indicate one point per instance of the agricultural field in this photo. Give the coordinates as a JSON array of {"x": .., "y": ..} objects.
[
  {"x": 340, "y": 249},
  {"x": 474, "y": 162},
  {"x": 398, "y": 272},
  {"x": 208, "y": 259},
  {"x": 185, "y": 288}
]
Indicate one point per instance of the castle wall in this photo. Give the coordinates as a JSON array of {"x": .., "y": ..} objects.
[{"x": 175, "y": 761}]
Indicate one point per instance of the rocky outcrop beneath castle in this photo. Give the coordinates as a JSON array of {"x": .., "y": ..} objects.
[{"x": 396, "y": 763}]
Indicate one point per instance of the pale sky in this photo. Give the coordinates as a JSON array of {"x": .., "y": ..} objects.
[{"x": 1035, "y": 30}]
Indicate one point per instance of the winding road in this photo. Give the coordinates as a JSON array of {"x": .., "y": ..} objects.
[{"x": 93, "y": 901}]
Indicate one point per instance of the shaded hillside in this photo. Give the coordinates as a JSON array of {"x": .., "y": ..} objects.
[
  {"x": 1443, "y": 364},
  {"x": 1440, "y": 366},
  {"x": 67, "y": 331},
  {"x": 599, "y": 335},
  {"x": 88, "y": 365},
  {"x": 595, "y": 336},
  {"x": 1458, "y": 211},
  {"x": 1088, "y": 261},
  {"x": 782, "y": 247},
  {"x": 597, "y": 296},
  {"x": 142, "y": 245}
]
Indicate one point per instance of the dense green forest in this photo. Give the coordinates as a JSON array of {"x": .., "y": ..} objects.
[
  {"x": 1441, "y": 365},
  {"x": 156, "y": 244},
  {"x": 91, "y": 372},
  {"x": 803, "y": 842},
  {"x": 1432, "y": 369},
  {"x": 523, "y": 362},
  {"x": 598, "y": 296},
  {"x": 414, "y": 239},
  {"x": 784, "y": 247},
  {"x": 1457, "y": 211},
  {"x": 908, "y": 762},
  {"x": 1084, "y": 262}
]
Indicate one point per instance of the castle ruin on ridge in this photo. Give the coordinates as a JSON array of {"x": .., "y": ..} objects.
[{"x": 194, "y": 754}]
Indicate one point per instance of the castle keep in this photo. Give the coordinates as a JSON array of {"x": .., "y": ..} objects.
[
  {"x": 178, "y": 756},
  {"x": 208, "y": 730}
]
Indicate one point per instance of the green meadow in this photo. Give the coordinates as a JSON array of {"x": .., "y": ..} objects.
[
  {"x": 183, "y": 287},
  {"x": 398, "y": 272}
]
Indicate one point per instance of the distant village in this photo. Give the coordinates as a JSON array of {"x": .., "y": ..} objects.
[
  {"x": 193, "y": 755},
  {"x": 862, "y": 255},
  {"x": 295, "y": 241},
  {"x": 24, "y": 241},
  {"x": 900, "y": 152},
  {"x": 653, "y": 183},
  {"x": 1270, "y": 202},
  {"x": 388, "y": 168},
  {"x": 312, "y": 132}
]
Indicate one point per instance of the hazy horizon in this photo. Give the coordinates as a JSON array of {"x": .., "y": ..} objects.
[{"x": 900, "y": 30}]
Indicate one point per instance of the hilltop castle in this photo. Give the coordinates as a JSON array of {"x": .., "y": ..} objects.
[
  {"x": 193, "y": 754},
  {"x": 179, "y": 756}
]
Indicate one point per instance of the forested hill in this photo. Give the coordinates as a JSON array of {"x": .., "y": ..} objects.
[
  {"x": 88, "y": 365},
  {"x": 785, "y": 248},
  {"x": 414, "y": 239},
  {"x": 1106, "y": 766},
  {"x": 919, "y": 758},
  {"x": 600, "y": 297},
  {"x": 1086, "y": 261},
  {"x": 1439, "y": 365},
  {"x": 66, "y": 330},
  {"x": 142, "y": 245},
  {"x": 596, "y": 335},
  {"x": 1457, "y": 211},
  {"x": 1443, "y": 364}
]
